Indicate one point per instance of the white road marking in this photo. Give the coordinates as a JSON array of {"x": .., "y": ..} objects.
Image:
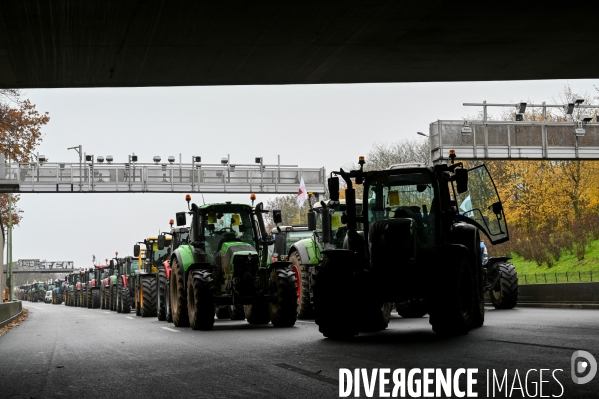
[
  {"x": 130, "y": 318},
  {"x": 170, "y": 329},
  {"x": 304, "y": 321}
]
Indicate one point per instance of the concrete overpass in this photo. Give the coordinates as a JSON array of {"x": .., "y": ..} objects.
[{"x": 126, "y": 43}]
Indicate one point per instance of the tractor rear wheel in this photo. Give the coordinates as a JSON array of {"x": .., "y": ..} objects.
[
  {"x": 333, "y": 280},
  {"x": 412, "y": 308},
  {"x": 283, "y": 312},
  {"x": 505, "y": 294},
  {"x": 102, "y": 295},
  {"x": 147, "y": 296},
  {"x": 178, "y": 297},
  {"x": 125, "y": 300},
  {"x": 119, "y": 290},
  {"x": 236, "y": 312},
  {"x": 374, "y": 315},
  {"x": 200, "y": 300},
  {"x": 304, "y": 307},
  {"x": 95, "y": 299},
  {"x": 454, "y": 306},
  {"x": 161, "y": 309}
]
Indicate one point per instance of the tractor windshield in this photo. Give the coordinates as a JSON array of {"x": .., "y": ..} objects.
[
  {"x": 404, "y": 195},
  {"x": 228, "y": 225},
  {"x": 338, "y": 228}
]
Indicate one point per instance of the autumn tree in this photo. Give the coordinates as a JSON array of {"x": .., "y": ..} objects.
[{"x": 20, "y": 134}]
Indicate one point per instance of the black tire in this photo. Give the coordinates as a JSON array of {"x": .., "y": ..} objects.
[
  {"x": 257, "y": 313},
  {"x": 333, "y": 280},
  {"x": 469, "y": 236},
  {"x": 119, "y": 291},
  {"x": 200, "y": 300},
  {"x": 451, "y": 312},
  {"x": 178, "y": 296},
  {"x": 113, "y": 292},
  {"x": 304, "y": 306},
  {"x": 125, "y": 300},
  {"x": 167, "y": 305},
  {"x": 283, "y": 312},
  {"x": 222, "y": 312},
  {"x": 147, "y": 296},
  {"x": 102, "y": 298},
  {"x": 161, "y": 309},
  {"x": 89, "y": 298},
  {"x": 505, "y": 296},
  {"x": 95, "y": 299},
  {"x": 412, "y": 308},
  {"x": 236, "y": 312}
]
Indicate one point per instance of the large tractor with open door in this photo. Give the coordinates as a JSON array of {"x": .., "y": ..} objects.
[
  {"x": 420, "y": 245},
  {"x": 225, "y": 263}
]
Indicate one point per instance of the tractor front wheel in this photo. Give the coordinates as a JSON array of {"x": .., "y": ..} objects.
[
  {"x": 161, "y": 309},
  {"x": 178, "y": 297},
  {"x": 236, "y": 312},
  {"x": 147, "y": 296},
  {"x": 95, "y": 299},
  {"x": 200, "y": 300},
  {"x": 505, "y": 294},
  {"x": 283, "y": 312},
  {"x": 304, "y": 307},
  {"x": 125, "y": 304}
]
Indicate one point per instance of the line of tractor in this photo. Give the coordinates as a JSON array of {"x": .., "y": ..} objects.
[{"x": 411, "y": 242}]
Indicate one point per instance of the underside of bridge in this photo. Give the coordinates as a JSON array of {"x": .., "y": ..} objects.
[{"x": 127, "y": 43}]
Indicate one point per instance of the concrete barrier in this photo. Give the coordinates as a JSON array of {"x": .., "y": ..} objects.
[
  {"x": 560, "y": 292},
  {"x": 9, "y": 310}
]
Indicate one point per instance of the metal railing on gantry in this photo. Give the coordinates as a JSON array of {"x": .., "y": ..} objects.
[
  {"x": 518, "y": 139},
  {"x": 136, "y": 177}
]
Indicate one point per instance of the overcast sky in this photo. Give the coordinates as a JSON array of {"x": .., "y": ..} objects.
[{"x": 309, "y": 126}]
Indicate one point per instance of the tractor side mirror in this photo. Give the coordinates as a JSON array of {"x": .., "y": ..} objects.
[
  {"x": 497, "y": 208},
  {"x": 181, "y": 218},
  {"x": 161, "y": 242},
  {"x": 111, "y": 264},
  {"x": 136, "y": 250},
  {"x": 333, "y": 183},
  {"x": 277, "y": 216},
  {"x": 461, "y": 179},
  {"x": 312, "y": 220}
]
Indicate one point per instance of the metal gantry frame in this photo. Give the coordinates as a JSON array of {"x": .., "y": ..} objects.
[
  {"x": 519, "y": 139},
  {"x": 170, "y": 177}
]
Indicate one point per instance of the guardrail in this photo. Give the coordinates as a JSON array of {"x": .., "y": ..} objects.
[
  {"x": 565, "y": 277},
  {"x": 9, "y": 310}
]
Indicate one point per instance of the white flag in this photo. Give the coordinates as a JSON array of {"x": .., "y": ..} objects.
[{"x": 302, "y": 194}]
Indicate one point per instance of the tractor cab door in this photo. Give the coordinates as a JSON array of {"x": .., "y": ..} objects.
[{"x": 480, "y": 205}]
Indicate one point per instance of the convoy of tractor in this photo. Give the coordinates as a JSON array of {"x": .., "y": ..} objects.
[{"x": 413, "y": 242}]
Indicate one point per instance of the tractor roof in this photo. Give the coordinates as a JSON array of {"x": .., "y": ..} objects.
[{"x": 224, "y": 207}]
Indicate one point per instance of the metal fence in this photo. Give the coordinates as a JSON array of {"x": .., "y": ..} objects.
[{"x": 566, "y": 277}]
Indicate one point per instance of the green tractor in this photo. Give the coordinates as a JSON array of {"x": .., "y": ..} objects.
[
  {"x": 178, "y": 236},
  {"x": 37, "y": 292},
  {"x": 420, "y": 245},
  {"x": 304, "y": 254},
  {"x": 225, "y": 264}
]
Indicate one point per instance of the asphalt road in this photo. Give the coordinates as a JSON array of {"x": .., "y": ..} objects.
[{"x": 72, "y": 352}]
